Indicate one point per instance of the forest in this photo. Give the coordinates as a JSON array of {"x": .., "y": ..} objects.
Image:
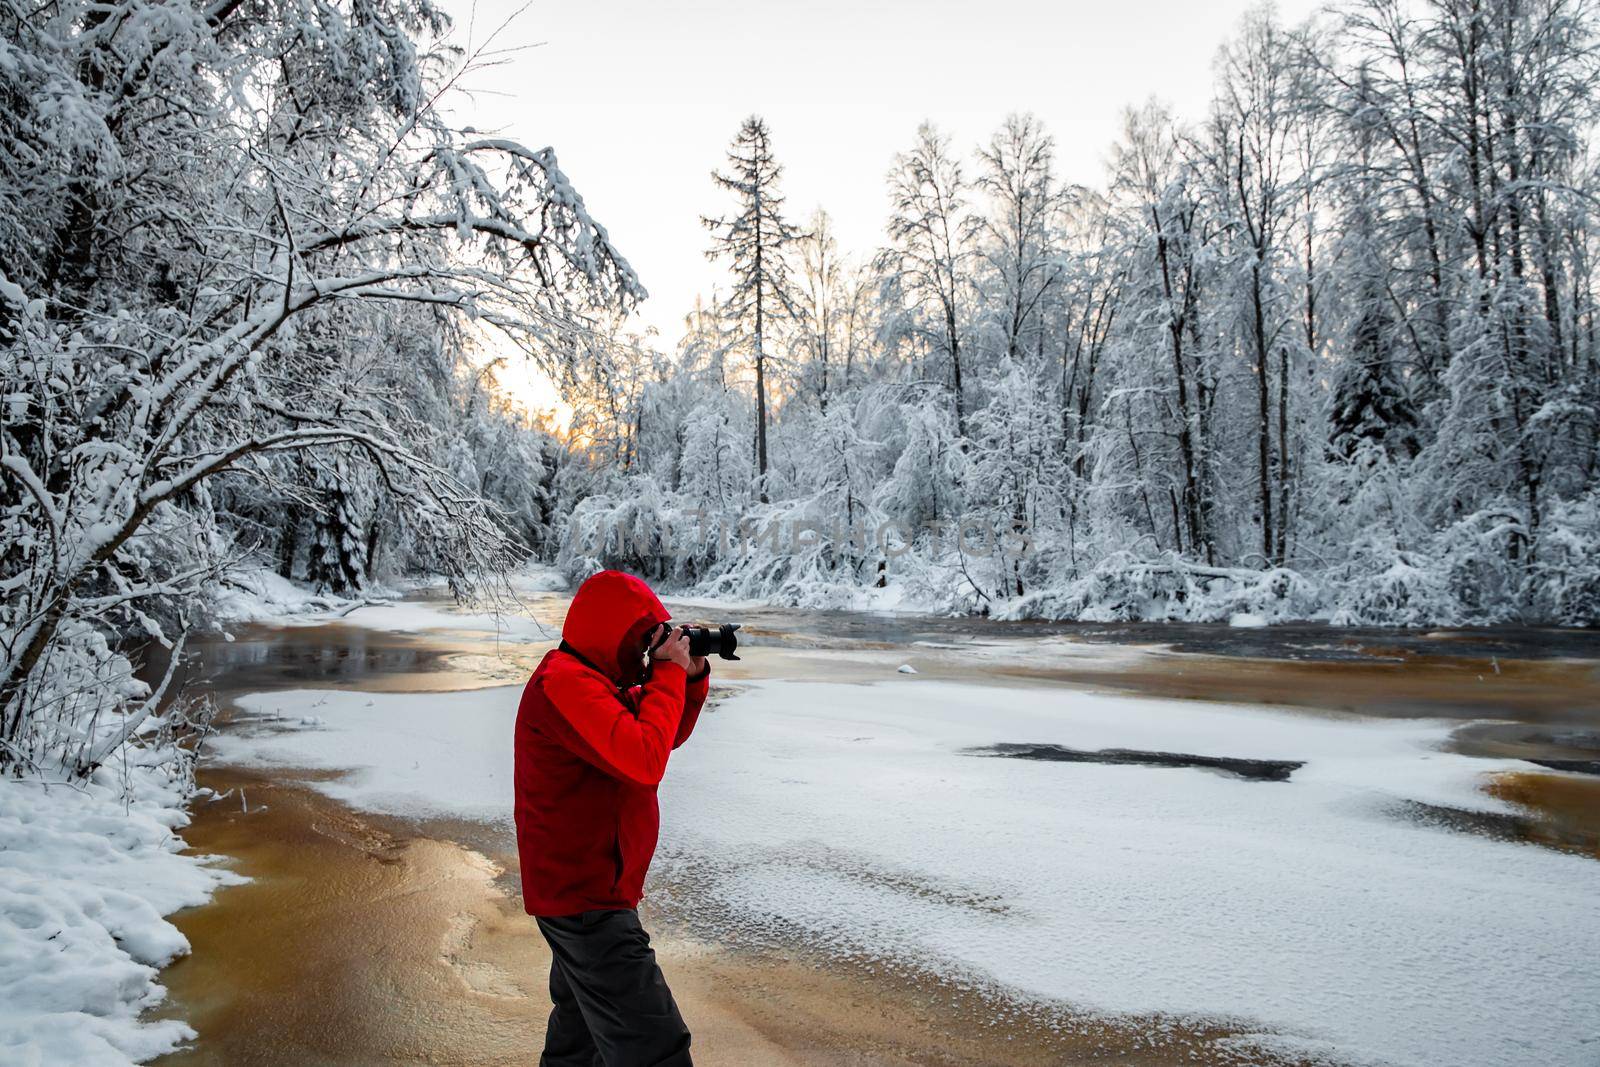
[
  {"x": 1326, "y": 351},
  {"x": 1320, "y": 347}
]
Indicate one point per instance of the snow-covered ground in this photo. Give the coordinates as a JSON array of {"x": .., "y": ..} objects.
[
  {"x": 86, "y": 877},
  {"x": 260, "y": 595},
  {"x": 849, "y": 813}
]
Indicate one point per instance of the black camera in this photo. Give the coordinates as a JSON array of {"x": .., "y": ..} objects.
[{"x": 704, "y": 641}]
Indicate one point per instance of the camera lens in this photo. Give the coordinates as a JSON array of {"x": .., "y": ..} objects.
[{"x": 704, "y": 641}]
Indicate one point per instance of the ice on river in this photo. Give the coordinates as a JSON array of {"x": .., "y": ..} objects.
[{"x": 1313, "y": 908}]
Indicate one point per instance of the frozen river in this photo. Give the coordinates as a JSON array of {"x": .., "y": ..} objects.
[{"x": 1372, "y": 896}]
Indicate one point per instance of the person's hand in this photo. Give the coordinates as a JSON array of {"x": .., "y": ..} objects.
[{"x": 676, "y": 649}]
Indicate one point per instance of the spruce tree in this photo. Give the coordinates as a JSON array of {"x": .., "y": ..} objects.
[{"x": 755, "y": 240}]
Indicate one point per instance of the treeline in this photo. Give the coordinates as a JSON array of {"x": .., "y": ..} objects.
[{"x": 1327, "y": 348}]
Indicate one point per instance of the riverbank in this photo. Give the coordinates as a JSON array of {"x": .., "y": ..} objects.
[{"x": 89, "y": 872}]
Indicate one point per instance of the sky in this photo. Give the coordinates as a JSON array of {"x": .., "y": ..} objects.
[{"x": 640, "y": 99}]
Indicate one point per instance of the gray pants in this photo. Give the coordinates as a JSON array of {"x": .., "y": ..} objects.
[{"x": 612, "y": 1007}]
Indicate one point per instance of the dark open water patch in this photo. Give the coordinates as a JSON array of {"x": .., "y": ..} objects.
[
  {"x": 1255, "y": 770},
  {"x": 1577, "y": 766},
  {"x": 1500, "y": 826}
]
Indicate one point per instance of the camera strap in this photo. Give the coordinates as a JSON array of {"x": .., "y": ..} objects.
[{"x": 621, "y": 691}]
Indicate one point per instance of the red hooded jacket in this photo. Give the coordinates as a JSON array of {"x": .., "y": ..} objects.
[{"x": 591, "y": 746}]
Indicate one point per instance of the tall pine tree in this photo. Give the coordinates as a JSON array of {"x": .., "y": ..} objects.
[{"x": 755, "y": 240}]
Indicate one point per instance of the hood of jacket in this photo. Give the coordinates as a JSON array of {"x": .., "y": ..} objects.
[{"x": 607, "y": 621}]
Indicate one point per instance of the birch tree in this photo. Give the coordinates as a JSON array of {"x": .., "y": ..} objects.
[{"x": 929, "y": 257}]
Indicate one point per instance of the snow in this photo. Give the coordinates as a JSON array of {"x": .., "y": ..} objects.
[
  {"x": 414, "y": 754},
  {"x": 256, "y": 594},
  {"x": 888, "y": 600},
  {"x": 1246, "y": 619},
  {"x": 85, "y": 881},
  {"x": 413, "y": 617},
  {"x": 261, "y": 595},
  {"x": 531, "y": 578},
  {"x": 1060, "y": 651},
  {"x": 1313, "y": 909}
]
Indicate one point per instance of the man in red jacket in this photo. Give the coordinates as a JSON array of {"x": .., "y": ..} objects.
[{"x": 594, "y": 730}]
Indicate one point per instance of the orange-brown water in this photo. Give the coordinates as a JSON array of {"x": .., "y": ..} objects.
[{"x": 1563, "y": 809}]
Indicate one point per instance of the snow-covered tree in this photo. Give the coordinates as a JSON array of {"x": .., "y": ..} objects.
[
  {"x": 208, "y": 210},
  {"x": 756, "y": 241},
  {"x": 928, "y": 262},
  {"x": 822, "y": 292},
  {"x": 1020, "y": 231}
]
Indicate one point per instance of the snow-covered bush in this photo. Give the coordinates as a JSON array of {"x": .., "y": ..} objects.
[
  {"x": 1382, "y": 585},
  {"x": 1565, "y": 578},
  {"x": 1163, "y": 587},
  {"x": 638, "y": 528},
  {"x": 1478, "y": 559}
]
